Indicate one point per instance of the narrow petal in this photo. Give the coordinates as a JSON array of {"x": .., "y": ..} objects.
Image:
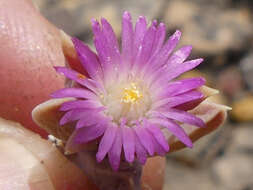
[
  {"x": 175, "y": 129},
  {"x": 115, "y": 152},
  {"x": 190, "y": 105},
  {"x": 102, "y": 47},
  {"x": 161, "y": 58},
  {"x": 141, "y": 152},
  {"x": 166, "y": 73},
  {"x": 140, "y": 30},
  {"x": 88, "y": 119},
  {"x": 170, "y": 44},
  {"x": 88, "y": 59},
  {"x": 127, "y": 38},
  {"x": 158, "y": 135},
  {"x": 179, "y": 87},
  {"x": 159, "y": 39},
  {"x": 110, "y": 36},
  {"x": 174, "y": 72},
  {"x": 106, "y": 142},
  {"x": 88, "y": 104},
  {"x": 157, "y": 147},
  {"x": 87, "y": 134},
  {"x": 77, "y": 114},
  {"x": 144, "y": 137},
  {"x": 70, "y": 116},
  {"x": 184, "y": 117},
  {"x": 144, "y": 51},
  {"x": 81, "y": 79},
  {"x": 179, "y": 56},
  {"x": 177, "y": 100},
  {"x": 113, "y": 45},
  {"x": 128, "y": 143},
  {"x": 74, "y": 93}
]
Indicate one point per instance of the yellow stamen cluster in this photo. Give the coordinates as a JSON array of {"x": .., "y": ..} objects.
[{"x": 131, "y": 95}]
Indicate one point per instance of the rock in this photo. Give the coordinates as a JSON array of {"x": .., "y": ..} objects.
[
  {"x": 74, "y": 16},
  {"x": 242, "y": 140},
  {"x": 209, "y": 34},
  {"x": 230, "y": 81},
  {"x": 234, "y": 171},
  {"x": 178, "y": 177},
  {"x": 246, "y": 66},
  {"x": 243, "y": 109},
  {"x": 205, "y": 150}
]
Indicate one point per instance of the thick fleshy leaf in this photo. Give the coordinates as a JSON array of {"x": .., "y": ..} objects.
[
  {"x": 128, "y": 143},
  {"x": 106, "y": 142},
  {"x": 115, "y": 152}
]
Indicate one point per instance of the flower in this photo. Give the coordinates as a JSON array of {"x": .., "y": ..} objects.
[{"x": 128, "y": 98}]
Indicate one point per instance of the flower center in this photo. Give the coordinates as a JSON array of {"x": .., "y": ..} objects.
[
  {"x": 131, "y": 95},
  {"x": 127, "y": 99}
]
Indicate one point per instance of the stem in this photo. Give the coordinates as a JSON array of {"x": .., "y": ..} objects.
[{"x": 126, "y": 178}]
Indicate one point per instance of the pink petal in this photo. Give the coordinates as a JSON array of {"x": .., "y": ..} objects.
[
  {"x": 127, "y": 38},
  {"x": 179, "y": 87},
  {"x": 140, "y": 30},
  {"x": 145, "y": 138},
  {"x": 182, "y": 68},
  {"x": 115, "y": 152},
  {"x": 128, "y": 143},
  {"x": 158, "y": 135},
  {"x": 90, "y": 104},
  {"x": 79, "y": 78},
  {"x": 177, "y": 100},
  {"x": 175, "y": 129},
  {"x": 140, "y": 151},
  {"x": 106, "y": 142},
  {"x": 88, "y": 59},
  {"x": 179, "y": 56},
  {"x": 74, "y": 93},
  {"x": 87, "y": 134},
  {"x": 184, "y": 117}
]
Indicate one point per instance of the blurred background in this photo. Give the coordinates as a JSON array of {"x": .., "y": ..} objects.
[{"x": 220, "y": 31}]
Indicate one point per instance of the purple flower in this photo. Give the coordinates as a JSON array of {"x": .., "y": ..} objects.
[{"x": 130, "y": 98}]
